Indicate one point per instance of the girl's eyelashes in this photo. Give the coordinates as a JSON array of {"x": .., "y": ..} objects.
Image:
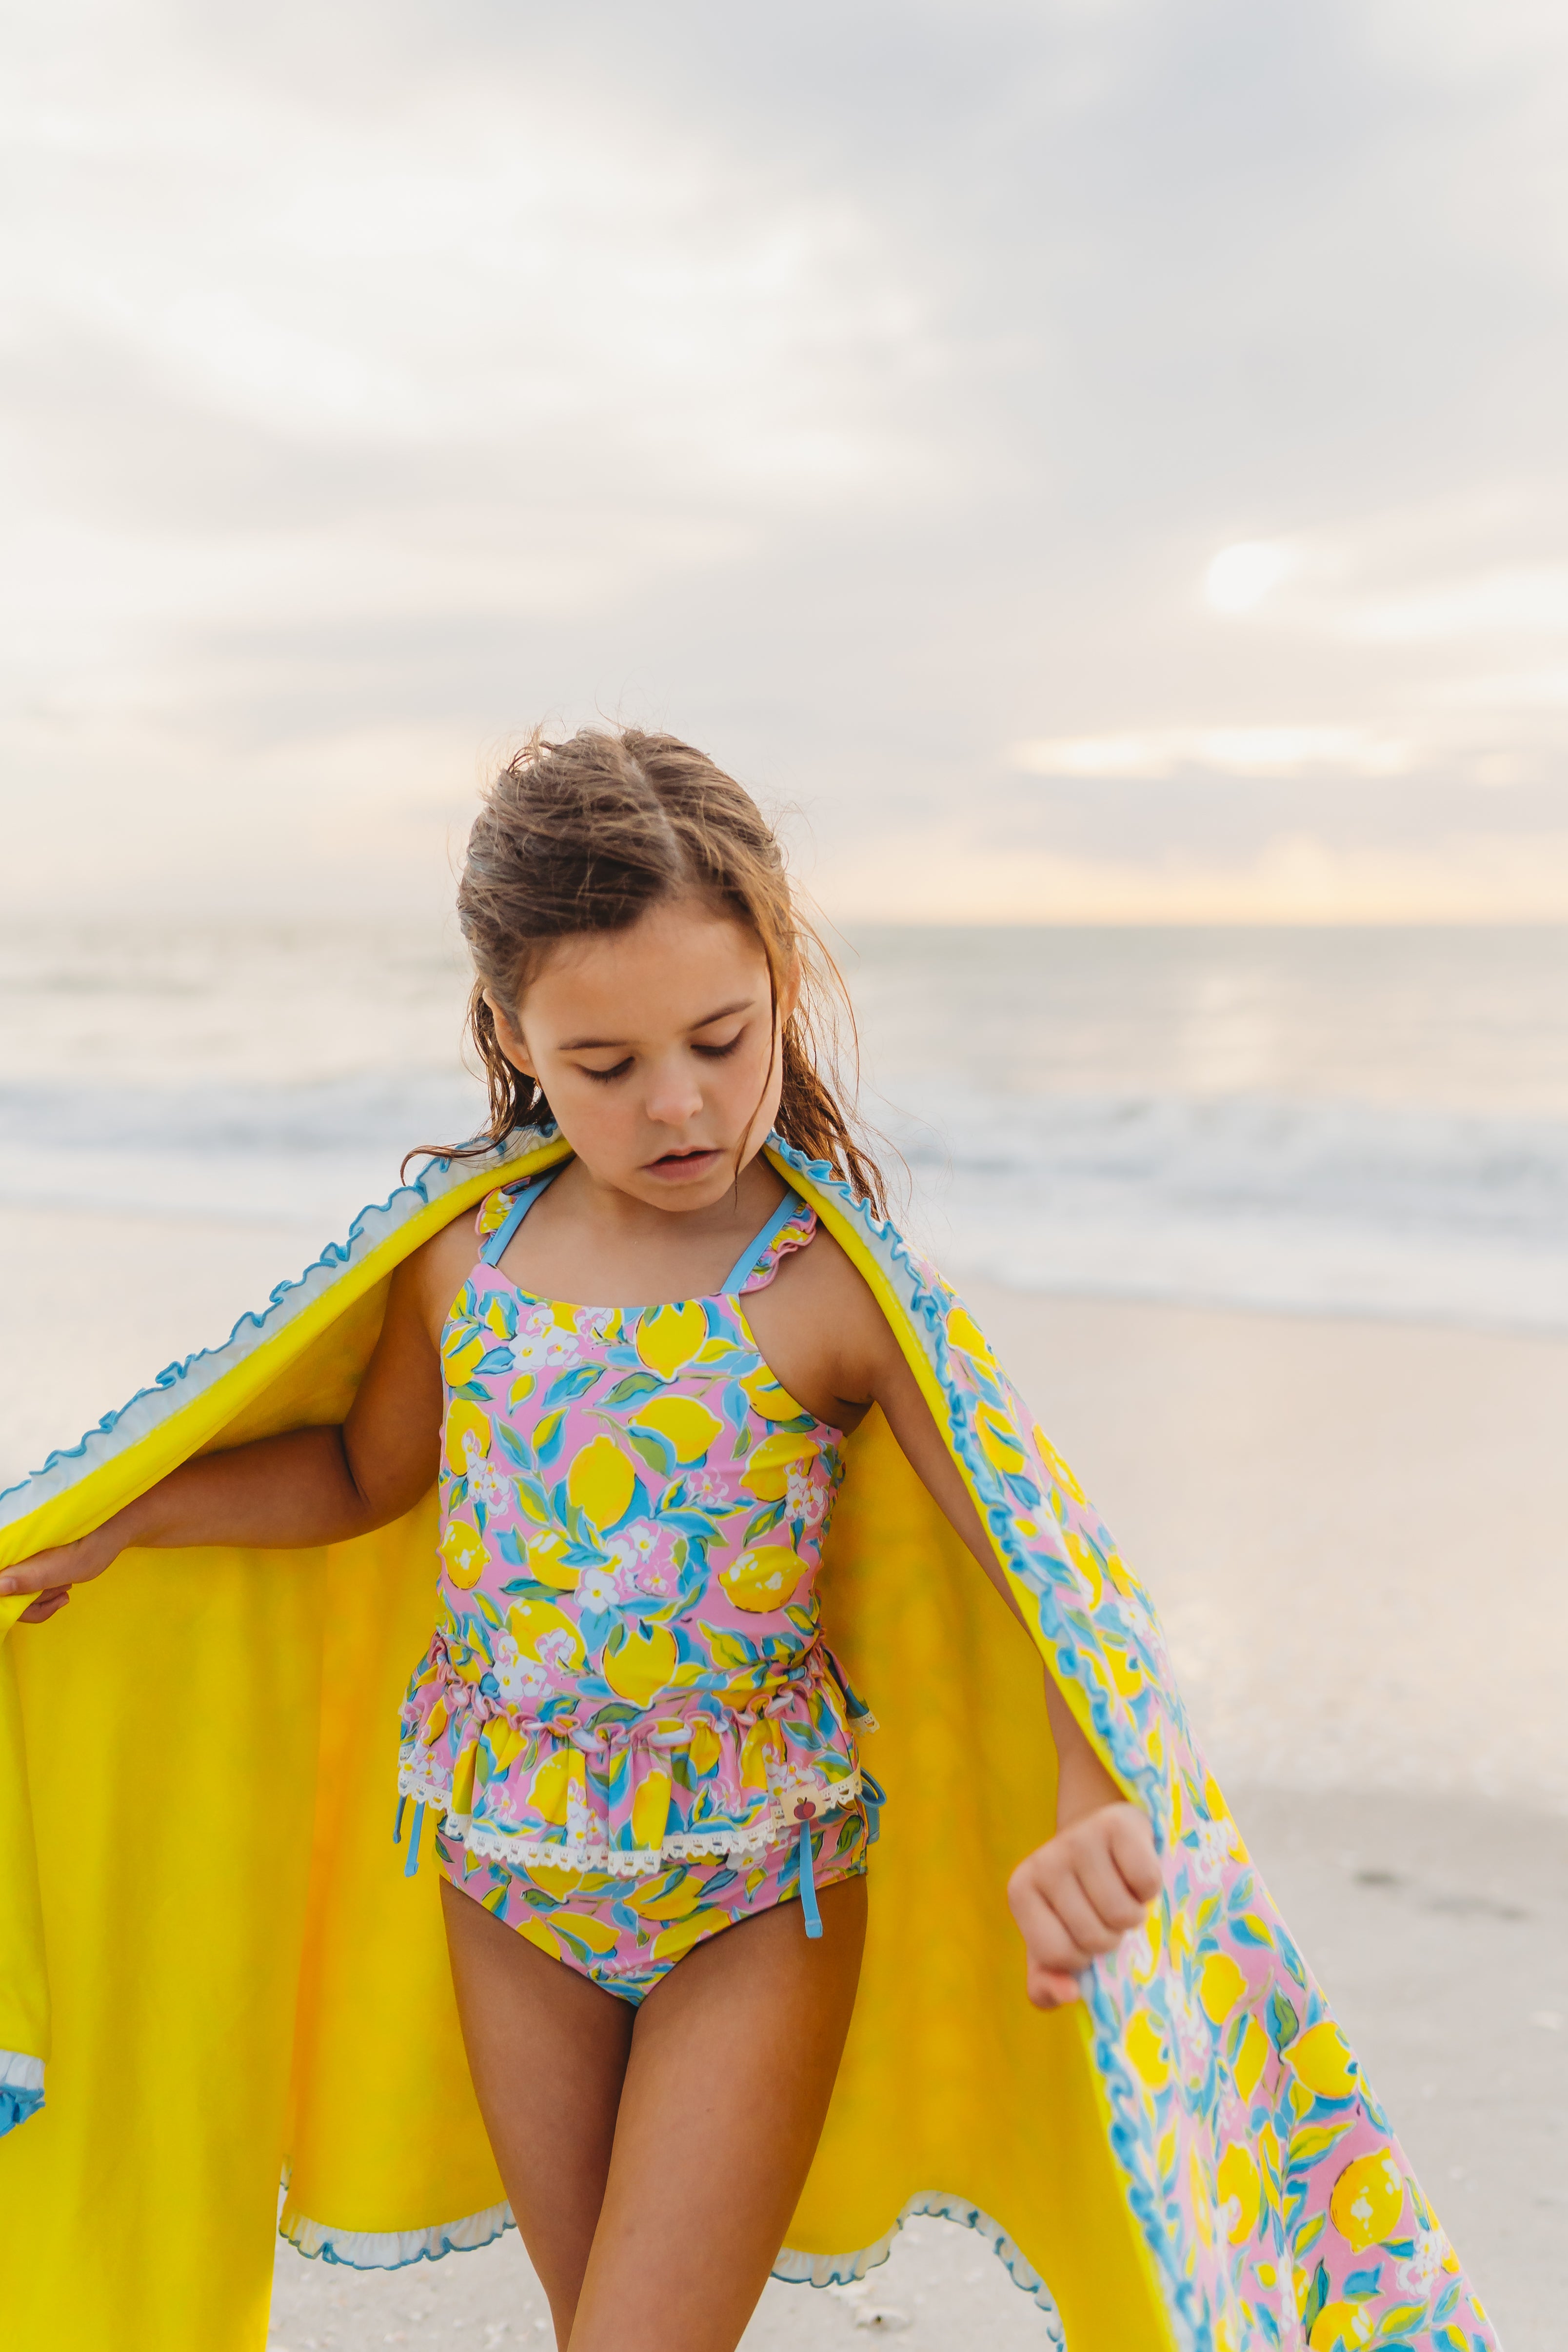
[{"x": 708, "y": 1053}]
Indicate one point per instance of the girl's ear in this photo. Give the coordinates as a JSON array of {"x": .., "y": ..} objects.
[{"x": 510, "y": 1039}]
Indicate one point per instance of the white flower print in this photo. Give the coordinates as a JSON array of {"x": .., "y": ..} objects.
[
  {"x": 597, "y": 1589},
  {"x": 542, "y": 1351},
  {"x": 1194, "y": 2042},
  {"x": 518, "y": 1677},
  {"x": 707, "y": 1487},
  {"x": 802, "y": 1494},
  {"x": 1215, "y": 1842},
  {"x": 541, "y": 1343},
  {"x": 490, "y": 1485},
  {"x": 593, "y": 1323},
  {"x": 1431, "y": 2252}
]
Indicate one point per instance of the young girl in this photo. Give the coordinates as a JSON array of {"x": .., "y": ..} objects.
[
  {"x": 641, "y": 973},
  {"x": 633, "y": 1375}
]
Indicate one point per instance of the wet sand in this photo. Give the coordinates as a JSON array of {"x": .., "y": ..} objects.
[{"x": 1357, "y": 1533}]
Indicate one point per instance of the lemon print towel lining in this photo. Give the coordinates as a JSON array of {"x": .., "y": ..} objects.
[{"x": 628, "y": 1670}]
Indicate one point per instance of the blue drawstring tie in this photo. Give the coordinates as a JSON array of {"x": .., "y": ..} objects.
[
  {"x": 412, "y": 1864},
  {"x": 808, "y": 1883}
]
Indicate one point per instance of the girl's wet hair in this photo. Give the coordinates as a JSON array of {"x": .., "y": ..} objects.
[{"x": 584, "y": 836}]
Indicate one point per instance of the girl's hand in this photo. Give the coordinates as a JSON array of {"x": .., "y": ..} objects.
[
  {"x": 1080, "y": 1893},
  {"x": 50, "y": 1574}
]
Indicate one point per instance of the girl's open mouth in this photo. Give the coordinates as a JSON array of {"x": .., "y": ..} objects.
[{"x": 679, "y": 1164}]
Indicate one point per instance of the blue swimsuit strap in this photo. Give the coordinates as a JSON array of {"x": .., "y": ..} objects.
[
  {"x": 496, "y": 1247},
  {"x": 744, "y": 1264}
]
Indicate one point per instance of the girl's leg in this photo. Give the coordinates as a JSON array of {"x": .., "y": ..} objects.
[
  {"x": 732, "y": 2064},
  {"x": 547, "y": 2053}
]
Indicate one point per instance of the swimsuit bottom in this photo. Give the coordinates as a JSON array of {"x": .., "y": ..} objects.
[{"x": 626, "y": 1934}]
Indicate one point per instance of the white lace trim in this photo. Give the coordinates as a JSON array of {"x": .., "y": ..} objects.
[{"x": 775, "y": 1827}]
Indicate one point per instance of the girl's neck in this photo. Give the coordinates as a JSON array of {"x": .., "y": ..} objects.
[{"x": 592, "y": 1243}]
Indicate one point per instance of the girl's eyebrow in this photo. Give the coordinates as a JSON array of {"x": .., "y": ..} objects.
[{"x": 607, "y": 1045}]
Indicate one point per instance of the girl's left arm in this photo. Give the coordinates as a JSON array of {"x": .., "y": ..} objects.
[
  {"x": 304, "y": 1487},
  {"x": 1078, "y": 1894}
]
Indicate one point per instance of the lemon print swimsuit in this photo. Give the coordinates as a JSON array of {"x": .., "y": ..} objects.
[{"x": 627, "y": 1727}]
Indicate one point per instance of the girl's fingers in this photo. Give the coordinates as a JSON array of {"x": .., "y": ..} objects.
[
  {"x": 1057, "y": 1920},
  {"x": 37, "y": 1575},
  {"x": 1076, "y": 1897},
  {"x": 1048, "y": 1988},
  {"x": 1105, "y": 1879},
  {"x": 47, "y": 1571},
  {"x": 1080, "y": 1916},
  {"x": 46, "y": 1605},
  {"x": 1133, "y": 1850},
  {"x": 1046, "y": 1941}
]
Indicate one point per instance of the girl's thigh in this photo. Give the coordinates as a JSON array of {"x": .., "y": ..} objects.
[
  {"x": 548, "y": 2053},
  {"x": 732, "y": 2064}
]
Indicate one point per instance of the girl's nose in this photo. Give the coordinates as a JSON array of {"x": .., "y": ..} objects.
[{"x": 673, "y": 1096}]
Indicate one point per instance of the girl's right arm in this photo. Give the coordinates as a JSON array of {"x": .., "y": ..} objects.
[{"x": 308, "y": 1487}]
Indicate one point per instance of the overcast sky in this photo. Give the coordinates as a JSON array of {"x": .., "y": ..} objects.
[{"x": 1094, "y": 459}]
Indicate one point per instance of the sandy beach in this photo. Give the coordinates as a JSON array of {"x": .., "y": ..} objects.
[{"x": 1358, "y": 1536}]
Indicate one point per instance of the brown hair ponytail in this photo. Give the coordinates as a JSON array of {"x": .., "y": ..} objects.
[{"x": 585, "y": 836}]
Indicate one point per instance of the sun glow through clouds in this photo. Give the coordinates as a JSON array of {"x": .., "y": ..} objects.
[{"x": 1238, "y": 578}]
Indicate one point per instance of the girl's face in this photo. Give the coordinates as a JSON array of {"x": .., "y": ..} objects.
[{"x": 653, "y": 1046}]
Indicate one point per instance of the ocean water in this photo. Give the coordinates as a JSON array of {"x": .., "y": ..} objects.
[{"x": 1346, "y": 1122}]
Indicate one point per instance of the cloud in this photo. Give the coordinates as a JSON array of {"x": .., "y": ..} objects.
[
  {"x": 1523, "y": 602},
  {"x": 1163, "y": 752},
  {"x": 1511, "y": 690},
  {"x": 1294, "y": 877},
  {"x": 1238, "y": 578},
  {"x": 857, "y": 392}
]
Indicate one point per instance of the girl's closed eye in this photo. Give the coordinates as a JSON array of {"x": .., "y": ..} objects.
[
  {"x": 719, "y": 1053},
  {"x": 618, "y": 1070}
]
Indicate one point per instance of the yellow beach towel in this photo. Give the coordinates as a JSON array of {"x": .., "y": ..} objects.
[{"x": 213, "y": 1973}]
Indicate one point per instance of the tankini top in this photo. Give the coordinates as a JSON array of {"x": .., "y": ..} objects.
[{"x": 628, "y": 1668}]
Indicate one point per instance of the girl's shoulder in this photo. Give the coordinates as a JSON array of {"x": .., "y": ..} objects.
[
  {"x": 823, "y": 1303},
  {"x": 436, "y": 1271}
]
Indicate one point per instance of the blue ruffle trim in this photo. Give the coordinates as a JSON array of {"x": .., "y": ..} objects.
[
  {"x": 837, "y": 2269},
  {"x": 394, "y": 2250},
  {"x": 21, "y": 2088},
  {"x": 177, "y": 1382}
]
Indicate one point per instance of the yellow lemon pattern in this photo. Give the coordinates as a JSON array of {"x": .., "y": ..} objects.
[
  {"x": 1242, "y": 2117},
  {"x": 464, "y": 1550},
  {"x": 1321, "y": 2060},
  {"x": 767, "y": 1577},
  {"x": 602, "y": 1481},
  {"x": 628, "y": 1711},
  {"x": 643, "y": 1475},
  {"x": 1368, "y": 2201}
]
